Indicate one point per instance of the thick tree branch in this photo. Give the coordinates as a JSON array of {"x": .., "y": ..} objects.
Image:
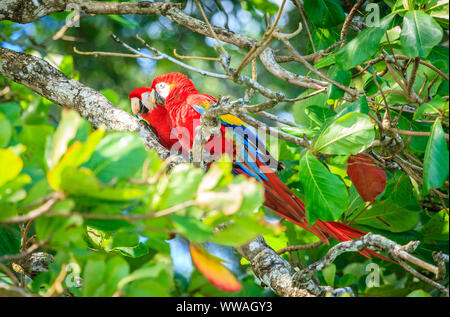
[
  {"x": 26, "y": 11},
  {"x": 278, "y": 274},
  {"x": 47, "y": 81}
]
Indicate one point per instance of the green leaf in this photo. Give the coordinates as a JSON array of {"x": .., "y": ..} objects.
[
  {"x": 93, "y": 281},
  {"x": 65, "y": 132},
  {"x": 299, "y": 108},
  {"x": 13, "y": 191},
  {"x": 5, "y": 130},
  {"x": 326, "y": 61},
  {"x": 359, "y": 105},
  {"x": 191, "y": 228},
  {"x": 134, "y": 252},
  {"x": 418, "y": 293},
  {"x": 182, "y": 186},
  {"x": 324, "y": 13},
  {"x": 329, "y": 274},
  {"x": 119, "y": 154},
  {"x": 262, "y": 5},
  {"x": 319, "y": 115},
  {"x": 431, "y": 107},
  {"x": 438, "y": 9},
  {"x": 341, "y": 76},
  {"x": 435, "y": 164},
  {"x": 116, "y": 269},
  {"x": 298, "y": 131},
  {"x": 82, "y": 182},
  {"x": 9, "y": 242},
  {"x": 420, "y": 33},
  {"x": 76, "y": 155},
  {"x": 388, "y": 216},
  {"x": 326, "y": 195},
  {"x": 233, "y": 235},
  {"x": 10, "y": 165},
  {"x": 127, "y": 23},
  {"x": 436, "y": 228},
  {"x": 34, "y": 138},
  {"x": 363, "y": 46},
  {"x": 349, "y": 134},
  {"x": 11, "y": 111}
]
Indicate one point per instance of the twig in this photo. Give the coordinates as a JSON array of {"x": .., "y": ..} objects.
[
  {"x": 300, "y": 58},
  {"x": 27, "y": 252},
  {"x": 263, "y": 43},
  {"x": 308, "y": 31},
  {"x": 194, "y": 57},
  {"x": 210, "y": 28},
  {"x": 300, "y": 247},
  {"x": 10, "y": 274},
  {"x": 57, "y": 284},
  {"x": 416, "y": 133},
  {"x": 46, "y": 207},
  {"x": 348, "y": 20}
]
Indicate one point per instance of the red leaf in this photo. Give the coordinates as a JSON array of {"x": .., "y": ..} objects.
[
  {"x": 214, "y": 271},
  {"x": 368, "y": 179}
]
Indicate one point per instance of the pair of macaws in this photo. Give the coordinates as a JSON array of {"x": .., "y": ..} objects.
[{"x": 173, "y": 104}]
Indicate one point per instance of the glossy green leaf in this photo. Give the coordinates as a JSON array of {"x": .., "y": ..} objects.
[
  {"x": 343, "y": 77},
  {"x": 388, "y": 216},
  {"x": 5, "y": 130},
  {"x": 324, "y": 13},
  {"x": 420, "y": 33},
  {"x": 363, "y": 46},
  {"x": 318, "y": 114},
  {"x": 435, "y": 164},
  {"x": 359, "y": 105},
  {"x": 65, "y": 132},
  {"x": 93, "y": 280},
  {"x": 299, "y": 131},
  {"x": 119, "y": 154},
  {"x": 10, "y": 165},
  {"x": 76, "y": 155},
  {"x": 326, "y": 195},
  {"x": 349, "y": 134},
  {"x": 192, "y": 228},
  {"x": 436, "y": 227},
  {"x": 329, "y": 274}
]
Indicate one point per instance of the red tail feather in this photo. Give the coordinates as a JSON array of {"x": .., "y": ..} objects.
[{"x": 280, "y": 199}]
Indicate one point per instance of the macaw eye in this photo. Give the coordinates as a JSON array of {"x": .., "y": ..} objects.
[{"x": 163, "y": 89}]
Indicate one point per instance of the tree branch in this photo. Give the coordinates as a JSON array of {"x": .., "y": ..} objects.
[{"x": 47, "y": 81}]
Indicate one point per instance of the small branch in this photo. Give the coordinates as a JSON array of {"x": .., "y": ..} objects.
[
  {"x": 300, "y": 58},
  {"x": 27, "y": 252},
  {"x": 415, "y": 133},
  {"x": 210, "y": 28},
  {"x": 300, "y": 247},
  {"x": 348, "y": 20},
  {"x": 45, "y": 208},
  {"x": 195, "y": 57}
]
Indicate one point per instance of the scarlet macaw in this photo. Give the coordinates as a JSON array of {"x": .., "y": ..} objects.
[
  {"x": 184, "y": 106},
  {"x": 154, "y": 114}
]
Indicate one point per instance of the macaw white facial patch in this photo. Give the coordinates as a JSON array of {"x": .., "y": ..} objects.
[{"x": 162, "y": 89}]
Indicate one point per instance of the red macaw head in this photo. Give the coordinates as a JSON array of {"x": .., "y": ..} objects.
[
  {"x": 141, "y": 100},
  {"x": 171, "y": 86}
]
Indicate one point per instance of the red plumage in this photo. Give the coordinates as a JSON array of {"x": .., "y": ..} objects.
[{"x": 158, "y": 119}]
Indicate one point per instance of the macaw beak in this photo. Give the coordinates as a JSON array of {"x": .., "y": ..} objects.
[
  {"x": 156, "y": 99},
  {"x": 137, "y": 107}
]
